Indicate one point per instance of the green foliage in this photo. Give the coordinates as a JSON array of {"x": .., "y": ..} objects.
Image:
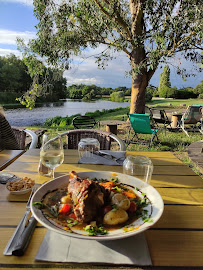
[
  {"x": 185, "y": 93},
  {"x": 46, "y": 81},
  {"x": 14, "y": 77},
  {"x": 117, "y": 96},
  {"x": 59, "y": 121},
  {"x": 198, "y": 90},
  {"x": 164, "y": 83},
  {"x": 8, "y": 97}
]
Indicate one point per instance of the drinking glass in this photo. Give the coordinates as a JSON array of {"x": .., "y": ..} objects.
[
  {"x": 139, "y": 166},
  {"x": 52, "y": 154},
  {"x": 87, "y": 146}
]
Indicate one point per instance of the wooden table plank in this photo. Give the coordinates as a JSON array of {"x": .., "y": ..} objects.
[
  {"x": 181, "y": 196},
  {"x": 9, "y": 156},
  {"x": 179, "y": 248}
]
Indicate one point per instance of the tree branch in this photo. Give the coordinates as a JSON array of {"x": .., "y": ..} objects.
[{"x": 119, "y": 20}]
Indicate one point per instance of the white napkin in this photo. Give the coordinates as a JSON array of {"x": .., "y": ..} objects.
[
  {"x": 60, "y": 248},
  {"x": 104, "y": 160}
]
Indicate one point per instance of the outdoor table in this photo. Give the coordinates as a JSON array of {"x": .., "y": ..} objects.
[
  {"x": 176, "y": 240},
  {"x": 175, "y": 118},
  {"x": 8, "y": 156},
  {"x": 111, "y": 125}
]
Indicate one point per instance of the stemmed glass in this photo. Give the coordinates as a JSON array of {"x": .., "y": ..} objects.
[{"x": 51, "y": 153}]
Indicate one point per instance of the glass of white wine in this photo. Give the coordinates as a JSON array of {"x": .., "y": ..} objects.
[{"x": 51, "y": 153}]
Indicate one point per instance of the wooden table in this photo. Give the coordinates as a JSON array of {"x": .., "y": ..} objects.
[
  {"x": 176, "y": 240},
  {"x": 8, "y": 156},
  {"x": 111, "y": 125},
  {"x": 175, "y": 118}
]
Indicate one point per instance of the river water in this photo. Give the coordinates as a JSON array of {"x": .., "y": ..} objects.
[{"x": 37, "y": 116}]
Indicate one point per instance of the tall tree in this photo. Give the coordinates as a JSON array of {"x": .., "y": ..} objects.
[
  {"x": 164, "y": 78},
  {"x": 147, "y": 31}
]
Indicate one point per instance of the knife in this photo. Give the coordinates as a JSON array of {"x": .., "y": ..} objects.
[{"x": 23, "y": 233}]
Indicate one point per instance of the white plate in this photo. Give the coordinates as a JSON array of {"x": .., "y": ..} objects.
[{"x": 155, "y": 207}]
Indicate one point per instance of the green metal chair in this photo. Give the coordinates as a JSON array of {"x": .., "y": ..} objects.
[{"x": 141, "y": 124}]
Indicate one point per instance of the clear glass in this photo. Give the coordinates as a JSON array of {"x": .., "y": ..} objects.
[
  {"x": 87, "y": 146},
  {"x": 52, "y": 153},
  {"x": 138, "y": 166}
]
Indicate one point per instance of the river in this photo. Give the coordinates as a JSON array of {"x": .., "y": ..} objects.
[{"x": 21, "y": 117}]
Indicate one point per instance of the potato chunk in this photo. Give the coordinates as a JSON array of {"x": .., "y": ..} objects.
[
  {"x": 66, "y": 199},
  {"x": 115, "y": 217},
  {"x": 121, "y": 201}
]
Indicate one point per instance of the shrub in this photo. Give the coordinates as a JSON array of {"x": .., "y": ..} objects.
[
  {"x": 148, "y": 97},
  {"x": 200, "y": 96},
  {"x": 117, "y": 96}
]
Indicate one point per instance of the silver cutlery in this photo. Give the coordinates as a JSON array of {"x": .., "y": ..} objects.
[
  {"x": 23, "y": 233},
  {"x": 107, "y": 155}
]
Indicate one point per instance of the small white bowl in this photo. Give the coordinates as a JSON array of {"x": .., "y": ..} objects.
[{"x": 20, "y": 191}]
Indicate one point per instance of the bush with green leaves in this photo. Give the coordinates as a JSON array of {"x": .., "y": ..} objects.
[
  {"x": 198, "y": 90},
  {"x": 117, "y": 96}
]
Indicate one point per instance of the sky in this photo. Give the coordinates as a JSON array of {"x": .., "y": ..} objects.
[{"x": 17, "y": 20}]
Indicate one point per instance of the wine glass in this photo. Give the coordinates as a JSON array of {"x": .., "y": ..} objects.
[{"x": 51, "y": 153}]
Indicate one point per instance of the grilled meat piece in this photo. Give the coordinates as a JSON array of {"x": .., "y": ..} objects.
[{"x": 88, "y": 197}]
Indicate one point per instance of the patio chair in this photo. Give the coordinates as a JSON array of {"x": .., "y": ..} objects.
[
  {"x": 160, "y": 117},
  {"x": 84, "y": 122},
  {"x": 105, "y": 138},
  {"x": 191, "y": 119},
  {"x": 14, "y": 138},
  {"x": 22, "y": 134},
  {"x": 141, "y": 124}
]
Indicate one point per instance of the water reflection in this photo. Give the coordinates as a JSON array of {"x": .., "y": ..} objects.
[{"x": 21, "y": 116}]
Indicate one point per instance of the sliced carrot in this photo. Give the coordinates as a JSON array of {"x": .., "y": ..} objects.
[
  {"x": 108, "y": 184},
  {"x": 129, "y": 194}
]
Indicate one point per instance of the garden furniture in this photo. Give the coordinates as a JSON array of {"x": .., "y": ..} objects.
[
  {"x": 112, "y": 125},
  {"x": 105, "y": 138},
  {"x": 84, "y": 122},
  {"x": 191, "y": 118},
  {"x": 141, "y": 124}
]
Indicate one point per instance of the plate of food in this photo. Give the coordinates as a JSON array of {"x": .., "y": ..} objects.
[{"x": 97, "y": 205}]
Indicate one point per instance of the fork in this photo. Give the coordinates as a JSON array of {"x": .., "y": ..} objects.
[{"x": 22, "y": 235}]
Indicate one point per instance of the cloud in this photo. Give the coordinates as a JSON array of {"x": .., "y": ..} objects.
[
  {"x": 24, "y": 2},
  {"x": 6, "y": 52},
  {"x": 9, "y": 37},
  {"x": 85, "y": 71}
]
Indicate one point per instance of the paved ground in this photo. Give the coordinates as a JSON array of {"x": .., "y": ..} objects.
[{"x": 195, "y": 153}]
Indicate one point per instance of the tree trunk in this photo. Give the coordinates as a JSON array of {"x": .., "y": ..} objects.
[
  {"x": 138, "y": 57},
  {"x": 139, "y": 82}
]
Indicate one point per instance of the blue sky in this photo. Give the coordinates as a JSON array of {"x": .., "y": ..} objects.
[{"x": 17, "y": 19}]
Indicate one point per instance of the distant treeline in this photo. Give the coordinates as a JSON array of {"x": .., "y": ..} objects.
[{"x": 15, "y": 80}]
